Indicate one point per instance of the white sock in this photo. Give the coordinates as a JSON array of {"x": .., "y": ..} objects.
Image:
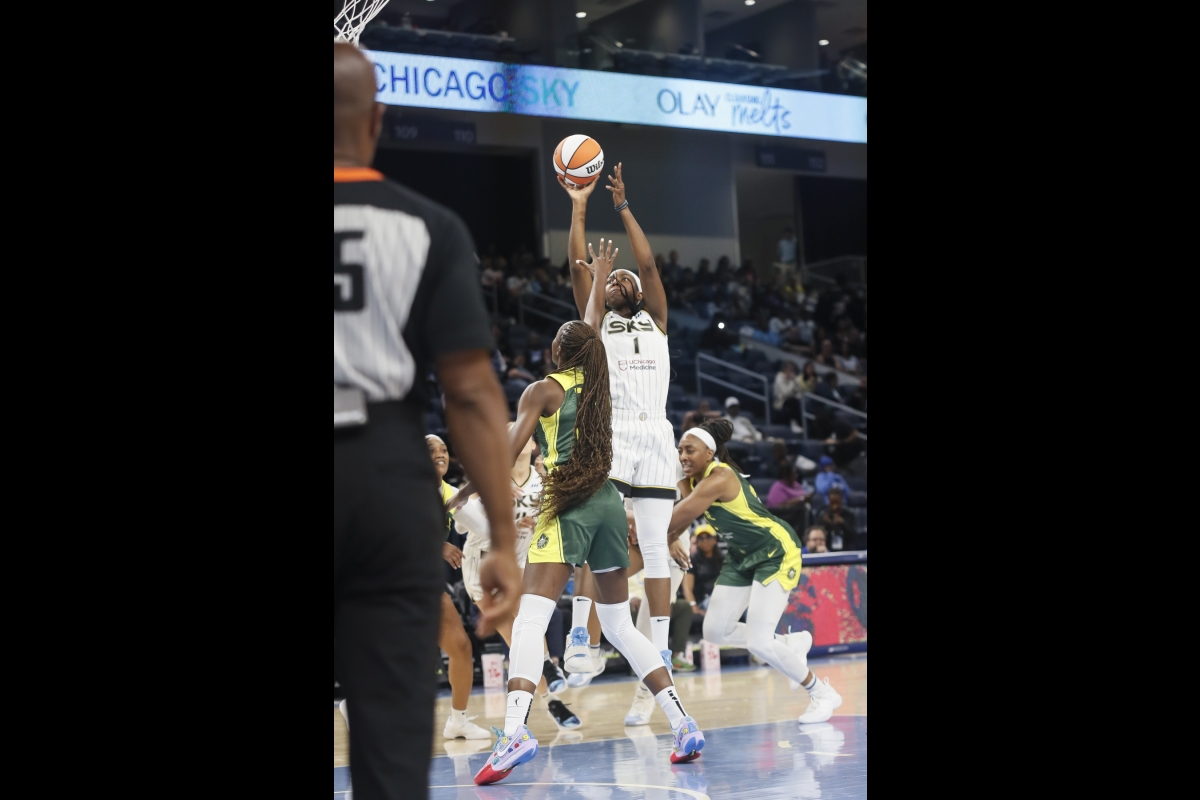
[
  {"x": 812, "y": 681},
  {"x": 660, "y": 630},
  {"x": 595, "y": 651},
  {"x": 517, "y": 711},
  {"x": 458, "y": 716},
  {"x": 581, "y": 609},
  {"x": 668, "y": 700}
]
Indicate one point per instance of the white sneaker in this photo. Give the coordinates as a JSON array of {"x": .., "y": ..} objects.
[
  {"x": 823, "y": 699},
  {"x": 796, "y": 427},
  {"x": 460, "y": 728},
  {"x": 642, "y": 708},
  {"x": 577, "y": 680},
  {"x": 577, "y": 657},
  {"x": 342, "y": 708},
  {"x": 799, "y": 643}
]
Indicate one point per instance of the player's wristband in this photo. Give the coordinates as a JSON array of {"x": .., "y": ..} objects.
[
  {"x": 623, "y": 205},
  {"x": 691, "y": 602}
]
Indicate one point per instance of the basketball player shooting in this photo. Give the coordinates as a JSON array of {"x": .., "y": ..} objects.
[{"x": 633, "y": 329}]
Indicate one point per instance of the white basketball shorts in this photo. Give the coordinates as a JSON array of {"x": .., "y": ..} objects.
[
  {"x": 473, "y": 556},
  {"x": 645, "y": 461}
]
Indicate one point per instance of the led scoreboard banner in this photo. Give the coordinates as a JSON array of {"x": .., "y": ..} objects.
[{"x": 468, "y": 85}]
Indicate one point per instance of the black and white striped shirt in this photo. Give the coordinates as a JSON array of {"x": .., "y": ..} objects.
[{"x": 405, "y": 286}]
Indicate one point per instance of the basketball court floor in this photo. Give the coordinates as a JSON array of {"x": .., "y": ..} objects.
[{"x": 754, "y": 746}]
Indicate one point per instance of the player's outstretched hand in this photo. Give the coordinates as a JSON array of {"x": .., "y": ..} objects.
[
  {"x": 452, "y": 555},
  {"x": 579, "y": 194},
  {"x": 679, "y": 552},
  {"x": 601, "y": 264},
  {"x": 616, "y": 185},
  {"x": 500, "y": 578}
]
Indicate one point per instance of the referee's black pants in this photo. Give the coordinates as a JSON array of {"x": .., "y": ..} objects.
[{"x": 388, "y": 530}]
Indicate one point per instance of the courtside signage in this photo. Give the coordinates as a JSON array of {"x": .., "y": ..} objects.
[{"x": 467, "y": 85}]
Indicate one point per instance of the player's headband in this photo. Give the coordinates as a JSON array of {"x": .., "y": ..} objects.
[
  {"x": 429, "y": 436},
  {"x": 703, "y": 436},
  {"x": 636, "y": 280}
]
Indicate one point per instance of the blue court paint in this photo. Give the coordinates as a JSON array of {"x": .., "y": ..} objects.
[{"x": 825, "y": 761}]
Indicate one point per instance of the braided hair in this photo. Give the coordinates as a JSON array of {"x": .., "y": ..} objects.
[
  {"x": 583, "y": 474},
  {"x": 722, "y": 431}
]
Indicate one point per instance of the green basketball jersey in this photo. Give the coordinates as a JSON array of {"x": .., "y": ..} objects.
[
  {"x": 745, "y": 525},
  {"x": 555, "y": 434}
]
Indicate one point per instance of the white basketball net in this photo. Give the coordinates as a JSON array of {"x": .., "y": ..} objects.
[{"x": 355, "y": 14}]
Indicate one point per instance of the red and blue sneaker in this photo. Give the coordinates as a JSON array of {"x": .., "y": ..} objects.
[
  {"x": 510, "y": 752},
  {"x": 689, "y": 741}
]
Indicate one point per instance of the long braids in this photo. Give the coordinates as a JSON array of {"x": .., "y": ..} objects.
[
  {"x": 585, "y": 471},
  {"x": 721, "y": 431}
]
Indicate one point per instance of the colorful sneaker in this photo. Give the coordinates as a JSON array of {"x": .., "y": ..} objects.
[
  {"x": 562, "y": 716},
  {"x": 577, "y": 680},
  {"x": 462, "y": 728},
  {"x": 666, "y": 657},
  {"x": 578, "y": 655},
  {"x": 642, "y": 708},
  {"x": 555, "y": 680},
  {"x": 689, "y": 741},
  {"x": 682, "y": 665},
  {"x": 509, "y": 752},
  {"x": 823, "y": 700},
  {"x": 798, "y": 643}
]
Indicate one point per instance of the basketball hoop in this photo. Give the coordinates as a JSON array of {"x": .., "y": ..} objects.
[{"x": 355, "y": 14}]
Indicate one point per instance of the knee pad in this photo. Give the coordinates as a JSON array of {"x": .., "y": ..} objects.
[
  {"x": 526, "y": 653},
  {"x": 657, "y": 557},
  {"x": 618, "y": 627},
  {"x": 653, "y": 517}
]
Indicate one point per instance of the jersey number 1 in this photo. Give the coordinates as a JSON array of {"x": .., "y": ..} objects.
[
  {"x": 636, "y": 350},
  {"x": 348, "y": 291}
]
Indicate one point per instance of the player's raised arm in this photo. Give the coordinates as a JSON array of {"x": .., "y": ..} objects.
[
  {"x": 581, "y": 276},
  {"x": 602, "y": 266},
  {"x": 653, "y": 294}
]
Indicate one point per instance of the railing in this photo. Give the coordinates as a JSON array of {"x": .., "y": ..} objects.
[
  {"x": 841, "y": 407},
  {"x": 553, "y": 302},
  {"x": 765, "y": 397},
  {"x": 827, "y": 271}
]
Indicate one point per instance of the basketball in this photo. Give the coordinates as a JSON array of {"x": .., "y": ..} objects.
[{"x": 579, "y": 159}]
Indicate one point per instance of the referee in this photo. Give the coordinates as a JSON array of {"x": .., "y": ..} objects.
[{"x": 406, "y": 297}]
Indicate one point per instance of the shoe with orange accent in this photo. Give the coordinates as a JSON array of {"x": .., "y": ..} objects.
[
  {"x": 509, "y": 752},
  {"x": 689, "y": 741}
]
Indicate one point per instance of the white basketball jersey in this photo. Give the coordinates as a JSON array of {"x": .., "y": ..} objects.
[
  {"x": 639, "y": 364},
  {"x": 479, "y": 537}
]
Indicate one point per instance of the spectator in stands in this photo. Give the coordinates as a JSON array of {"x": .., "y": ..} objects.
[
  {"x": 518, "y": 371},
  {"x": 847, "y": 448},
  {"x": 702, "y": 413},
  {"x": 828, "y": 479},
  {"x": 673, "y": 269},
  {"x": 491, "y": 276},
  {"x": 785, "y": 253},
  {"x": 787, "y": 491},
  {"x": 847, "y": 362},
  {"x": 826, "y": 358},
  {"x": 691, "y": 601},
  {"x": 858, "y": 400},
  {"x": 517, "y": 284},
  {"x": 838, "y": 521},
  {"x": 743, "y": 428},
  {"x": 787, "y": 394},
  {"x": 535, "y": 354},
  {"x": 815, "y": 540},
  {"x": 828, "y": 388},
  {"x": 808, "y": 377}
]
